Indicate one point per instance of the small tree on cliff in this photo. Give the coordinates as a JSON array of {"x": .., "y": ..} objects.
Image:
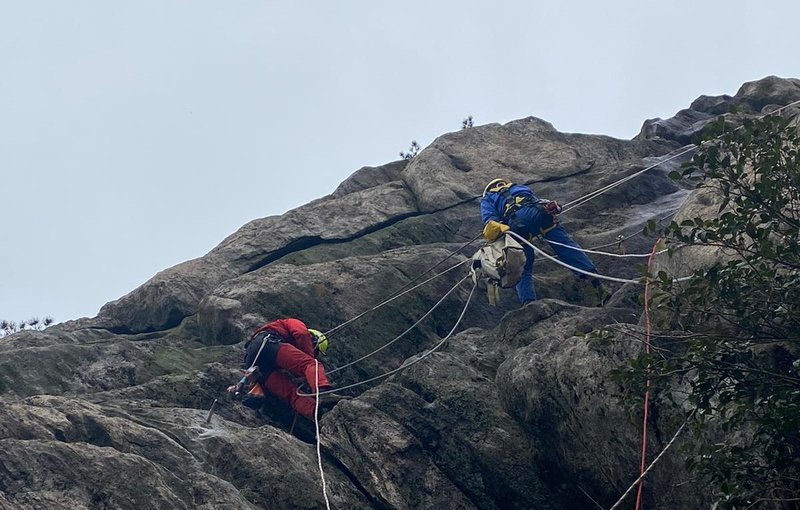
[
  {"x": 413, "y": 150},
  {"x": 736, "y": 354},
  {"x": 10, "y": 327}
]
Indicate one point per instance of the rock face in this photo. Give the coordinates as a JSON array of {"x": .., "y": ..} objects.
[
  {"x": 754, "y": 97},
  {"x": 515, "y": 410}
]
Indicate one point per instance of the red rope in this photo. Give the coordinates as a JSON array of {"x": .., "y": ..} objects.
[{"x": 647, "y": 387}]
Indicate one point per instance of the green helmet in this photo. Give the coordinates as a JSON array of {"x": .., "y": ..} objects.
[{"x": 320, "y": 341}]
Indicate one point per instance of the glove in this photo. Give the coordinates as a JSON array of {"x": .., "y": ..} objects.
[
  {"x": 235, "y": 388},
  {"x": 493, "y": 229},
  {"x": 552, "y": 208}
]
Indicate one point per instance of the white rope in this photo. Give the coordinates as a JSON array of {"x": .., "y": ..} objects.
[
  {"x": 454, "y": 252},
  {"x": 641, "y": 477},
  {"x": 243, "y": 380},
  {"x": 617, "y": 255},
  {"x": 402, "y": 367},
  {"x": 387, "y": 301},
  {"x": 587, "y": 273},
  {"x": 589, "y": 196},
  {"x": 263, "y": 343},
  {"x": 404, "y": 333},
  {"x": 621, "y": 240},
  {"x": 319, "y": 452}
]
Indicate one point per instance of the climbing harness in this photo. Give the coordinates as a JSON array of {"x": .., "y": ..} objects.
[
  {"x": 515, "y": 203},
  {"x": 549, "y": 208},
  {"x": 249, "y": 373},
  {"x": 252, "y": 377}
]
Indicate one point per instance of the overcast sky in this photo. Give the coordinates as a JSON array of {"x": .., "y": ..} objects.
[{"x": 137, "y": 135}]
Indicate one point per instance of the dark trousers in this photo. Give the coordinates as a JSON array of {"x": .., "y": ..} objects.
[
  {"x": 530, "y": 221},
  {"x": 301, "y": 365}
]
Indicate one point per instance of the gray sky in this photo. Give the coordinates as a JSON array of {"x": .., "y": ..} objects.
[{"x": 137, "y": 135}]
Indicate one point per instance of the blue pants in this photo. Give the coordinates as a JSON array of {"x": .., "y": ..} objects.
[{"x": 529, "y": 221}]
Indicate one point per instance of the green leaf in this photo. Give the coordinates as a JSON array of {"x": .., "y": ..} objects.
[{"x": 732, "y": 319}]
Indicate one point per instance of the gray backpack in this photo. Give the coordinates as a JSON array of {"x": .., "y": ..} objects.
[{"x": 501, "y": 263}]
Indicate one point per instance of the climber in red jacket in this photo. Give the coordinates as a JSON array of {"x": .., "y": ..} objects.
[{"x": 278, "y": 347}]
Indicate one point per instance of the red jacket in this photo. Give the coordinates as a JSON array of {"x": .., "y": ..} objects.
[{"x": 292, "y": 331}]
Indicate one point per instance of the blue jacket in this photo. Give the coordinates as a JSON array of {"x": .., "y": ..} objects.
[{"x": 493, "y": 204}]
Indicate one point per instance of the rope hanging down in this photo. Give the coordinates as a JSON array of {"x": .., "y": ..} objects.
[
  {"x": 319, "y": 451},
  {"x": 647, "y": 385},
  {"x": 655, "y": 461},
  {"x": 403, "y": 367},
  {"x": 316, "y": 362}
]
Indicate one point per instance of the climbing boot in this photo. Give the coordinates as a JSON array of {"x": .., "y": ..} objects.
[
  {"x": 331, "y": 399},
  {"x": 603, "y": 295}
]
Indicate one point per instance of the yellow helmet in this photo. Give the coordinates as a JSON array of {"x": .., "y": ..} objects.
[
  {"x": 496, "y": 185},
  {"x": 320, "y": 341}
]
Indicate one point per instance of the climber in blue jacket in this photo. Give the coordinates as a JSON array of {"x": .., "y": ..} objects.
[{"x": 511, "y": 206}]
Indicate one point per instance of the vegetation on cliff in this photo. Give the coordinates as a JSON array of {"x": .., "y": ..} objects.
[{"x": 731, "y": 361}]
